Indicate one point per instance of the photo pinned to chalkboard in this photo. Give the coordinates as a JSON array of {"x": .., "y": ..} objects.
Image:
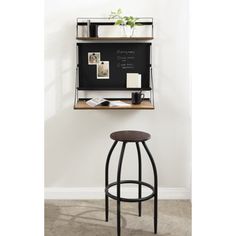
[
  {"x": 103, "y": 70},
  {"x": 94, "y": 58}
]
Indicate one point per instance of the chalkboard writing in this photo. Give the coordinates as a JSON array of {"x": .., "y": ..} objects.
[{"x": 125, "y": 59}]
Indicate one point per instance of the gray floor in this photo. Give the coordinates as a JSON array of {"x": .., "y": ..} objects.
[{"x": 86, "y": 218}]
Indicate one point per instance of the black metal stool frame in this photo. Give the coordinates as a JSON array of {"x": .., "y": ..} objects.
[{"x": 139, "y": 182}]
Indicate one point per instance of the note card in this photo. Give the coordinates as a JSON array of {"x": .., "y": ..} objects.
[{"x": 133, "y": 80}]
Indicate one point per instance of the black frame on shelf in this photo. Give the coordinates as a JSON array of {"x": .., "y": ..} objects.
[{"x": 101, "y": 21}]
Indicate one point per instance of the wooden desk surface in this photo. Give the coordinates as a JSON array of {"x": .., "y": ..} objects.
[{"x": 144, "y": 105}]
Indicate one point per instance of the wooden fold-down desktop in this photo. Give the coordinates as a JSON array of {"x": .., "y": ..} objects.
[{"x": 146, "y": 104}]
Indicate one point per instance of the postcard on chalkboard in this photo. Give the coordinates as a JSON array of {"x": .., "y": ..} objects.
[
  {"x": 133, "y": 80},
  {"x": 94, "y": 58},
  {"x": 103, "y": 70}
]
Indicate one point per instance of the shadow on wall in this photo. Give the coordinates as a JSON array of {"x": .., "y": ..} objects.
[
  {"x": 69, "y": 133},
  {"x": 59, "y": 73},
  {"x": 59, "y": 68}
]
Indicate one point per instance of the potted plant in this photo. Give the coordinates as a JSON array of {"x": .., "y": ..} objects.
[{"x": 127, "y": 22}]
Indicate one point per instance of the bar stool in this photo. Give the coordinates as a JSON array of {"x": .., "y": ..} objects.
[{"x": 133, "y": 137}]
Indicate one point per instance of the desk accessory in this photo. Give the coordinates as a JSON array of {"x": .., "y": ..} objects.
[{"x": 137, "y": 97}]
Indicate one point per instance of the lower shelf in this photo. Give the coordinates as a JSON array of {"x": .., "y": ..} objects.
[{"x": 146, "y": 104}]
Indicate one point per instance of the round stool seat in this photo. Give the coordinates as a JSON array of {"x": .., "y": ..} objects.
[{"x": 130, "y": 136}]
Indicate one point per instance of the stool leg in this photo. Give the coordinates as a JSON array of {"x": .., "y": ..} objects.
[
  {"x": 139, "y": 179},
  {"x": 155, "y": 186},
  {"x": 107, "y": 178},
  {"x": 118, "y": 186}
]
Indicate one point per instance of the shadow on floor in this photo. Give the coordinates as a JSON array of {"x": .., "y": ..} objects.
[{"x": 86, "y": 218}]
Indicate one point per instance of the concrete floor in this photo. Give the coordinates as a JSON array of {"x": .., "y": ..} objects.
[{"x": 86, "y": 218}]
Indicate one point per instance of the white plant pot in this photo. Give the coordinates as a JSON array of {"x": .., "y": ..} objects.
[{"x": 128, "y": 31}]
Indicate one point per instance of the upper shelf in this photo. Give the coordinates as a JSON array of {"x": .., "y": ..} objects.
[
  {"x": 114, "y": 38},
  {"x": 108, "y": 21},
  {"x": 101, "y": 29}
]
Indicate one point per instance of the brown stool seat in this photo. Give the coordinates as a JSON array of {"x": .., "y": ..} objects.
[{"x": 130, "y": 136}]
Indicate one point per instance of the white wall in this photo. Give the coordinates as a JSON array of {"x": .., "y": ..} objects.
[{"x": 77, "y": 142}]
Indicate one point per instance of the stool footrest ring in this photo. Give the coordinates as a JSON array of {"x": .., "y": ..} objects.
[{"x": 130, "y": 199}]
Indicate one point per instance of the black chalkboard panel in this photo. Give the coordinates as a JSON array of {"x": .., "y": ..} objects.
[{"x": 123, "y": 58}]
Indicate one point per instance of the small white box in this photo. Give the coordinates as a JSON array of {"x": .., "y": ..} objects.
[
  {"x": 143, "y": 31},
  {"x": 110, "y": 31},
  {"x": 133, "y": 80}
]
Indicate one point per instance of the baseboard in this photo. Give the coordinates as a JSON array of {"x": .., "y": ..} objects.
[{"x": 98, "y": 193}]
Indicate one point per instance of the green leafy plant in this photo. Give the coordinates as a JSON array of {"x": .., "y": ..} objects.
[{"x": 124, "y": 20}]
